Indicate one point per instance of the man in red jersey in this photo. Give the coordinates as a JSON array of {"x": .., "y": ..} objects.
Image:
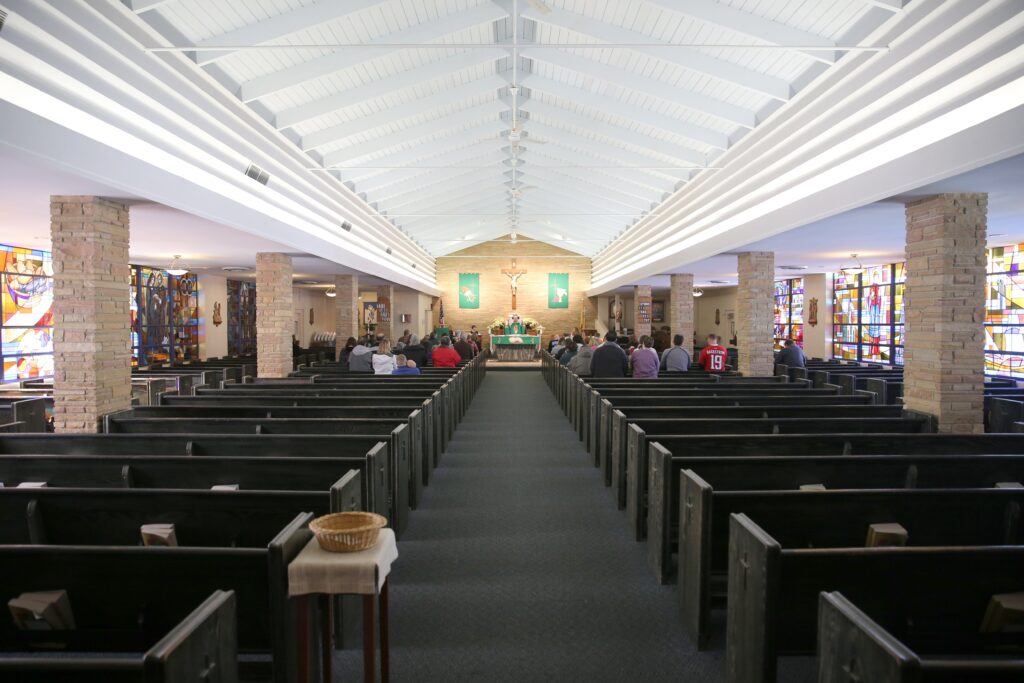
[{"x": 712, "y": 357}]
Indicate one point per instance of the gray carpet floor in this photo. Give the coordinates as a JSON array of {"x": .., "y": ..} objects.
[{"x": 518, "y": 567}]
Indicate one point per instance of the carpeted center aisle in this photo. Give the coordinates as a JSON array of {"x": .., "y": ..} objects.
[{"x": 518, "y": 567}]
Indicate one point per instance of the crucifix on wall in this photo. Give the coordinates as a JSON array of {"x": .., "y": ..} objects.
[{"x": 513, "y": 274}]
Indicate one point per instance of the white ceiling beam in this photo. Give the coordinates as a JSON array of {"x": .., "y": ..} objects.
[
  {"x": 567, "y": 185},
  {"x": 751, "y": 25},
  {"x": 605, "y": 104},
  {"x": 429, "y": 183},
  {"x": 422, "y": 153},
  {"x": 140, "y": 6},
  {"x": 562, "y": 117},
  {"x": 347, "y": 58},
  {"x": 278, "y": 26},
  {"x": 401, "y": 181},
  {"x": 484, "y": 202},
  {"x": 426, "y": 204},
  {"x": 553, "y": 199},
  {"x": 605, "y": 184},
  {"x": 553, "y": 156},
  {"x": 375, "y": 179},
  {"x": 624, "y": 78},
  {"x": 691, "y": 60},
  {"x": 580, "y": 150},
  {"x": 392, "y": 115},
  {"x": 559, "y": 136},
  {"x": 431, "y": 71},
  {"x": 888, "y": 5},
  {"x": 489, "y": 112}
]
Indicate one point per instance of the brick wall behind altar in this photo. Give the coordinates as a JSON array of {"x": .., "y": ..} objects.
[{"x": 538, "y": 259}]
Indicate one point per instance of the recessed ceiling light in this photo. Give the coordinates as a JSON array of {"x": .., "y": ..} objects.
[
  {"x": 719, "y": 282},
  {"x": 996, "y": 234},
  {"x": 791, "y": 267},
  {"x": 308, "y": 282},
  {"x": 235, "y": 269}
]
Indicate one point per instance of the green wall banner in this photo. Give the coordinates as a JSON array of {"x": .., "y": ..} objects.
[
  {"x": 558, "y": 290},
  {"x": 469, "y": 290}
]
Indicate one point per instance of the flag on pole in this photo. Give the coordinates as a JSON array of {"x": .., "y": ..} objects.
[{"x": 440, "y": 316}]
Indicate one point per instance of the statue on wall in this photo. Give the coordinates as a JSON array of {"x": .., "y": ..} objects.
[
  {"x": 812, "y": 312},
  {"x": 617, "y": 314},
  {"x": 217, "y": 320}
]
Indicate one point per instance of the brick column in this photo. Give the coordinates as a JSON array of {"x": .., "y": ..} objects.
[
  {"x": 346, "y": 310},
  {"x": 755, "y": 313},
  {"x": 641, "y": 295},
  {"x": 274, "y": 321},
  {"x": 680, "y": 308},
  {"x": 944, "y": 302},
  {"x": 387, "y": 292},
  {"x": 91, "y": 320}
]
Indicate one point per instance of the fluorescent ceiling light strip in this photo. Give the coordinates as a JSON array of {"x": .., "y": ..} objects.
[
  {"x": 873, "y": 135},
  {"x": 977, "y": 111},
  {"x": 48, "y": 107}
]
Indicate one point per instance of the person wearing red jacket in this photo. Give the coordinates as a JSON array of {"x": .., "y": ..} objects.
[
  {"x": 712, "y": 357},
  {"x": 444, "y": 355}
]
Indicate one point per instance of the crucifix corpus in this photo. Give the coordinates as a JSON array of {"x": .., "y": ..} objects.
[{"x": 513, "y": 274}]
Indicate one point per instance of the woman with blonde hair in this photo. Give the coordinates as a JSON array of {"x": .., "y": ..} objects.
[{"x": 383, "y": 361}]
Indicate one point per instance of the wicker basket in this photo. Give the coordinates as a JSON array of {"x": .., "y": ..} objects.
[{"x": 347, "y": 532}]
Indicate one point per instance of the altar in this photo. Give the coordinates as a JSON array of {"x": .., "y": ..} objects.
[{"x": 515, "y": 347}]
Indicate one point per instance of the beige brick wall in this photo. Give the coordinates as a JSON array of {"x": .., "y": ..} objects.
[
  {"x": 346, "y": 310},
  {"x": 538, "y": 259},
  {"x": 755, "y": 313},
  {"x": 944, "y": 302},
  {"x": 274, "y": 314},
  {"x": 680, "y": 308},
  {"x": 641, "y": 295},
  {"x": 91, "y": 320}
]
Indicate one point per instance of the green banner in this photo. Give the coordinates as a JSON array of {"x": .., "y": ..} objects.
[
  {"x": 558, "y": 290},
  {"x": 469, "y": 290}
]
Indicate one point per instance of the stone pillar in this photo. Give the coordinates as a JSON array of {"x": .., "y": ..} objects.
[
  {"x": 755, "y": 313},
  {"x": 274, "y": 321},
  {"x": 386, "y": 294},
  {"x": 641, "y": 298},
  {"x": 680, "y": 308},
  {"x": 346, "y": 311},
  {"x": 944, "y": 303},
  {"x": 91, "y": 319}
]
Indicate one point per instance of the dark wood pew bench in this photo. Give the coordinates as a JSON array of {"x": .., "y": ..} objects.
[
  {"x": 152, "y": 582},
  {"x": 918, "y": 640},
  {"x": 404, "y": 448},
  {"x": 791, "y": 472},
  {"x": 820, "y": 519},
  {"x": 29, "y": 411},
  {"x": 364, "y": 453},
  {"x": 774, "y": 587},
  {"x": 631, "y": 472},
  {"x": 203, "y": 644}
]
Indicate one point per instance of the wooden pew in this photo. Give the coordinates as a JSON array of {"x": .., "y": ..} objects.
[
  {"x": 343, "y": 486},
  {"x": 202, "y": 646},
  {"x": 364, "y": 453},
  {"x": 419, "y": 420},
  {"x": 831, "y": 518},
  {"x": 918, "y": 640},
  {"x": 790, "y": 472},
  {"x": 774, "y": 585},
  {"x": 631, "y": 471},
  {"x": 152, "y": 582},
  {"x": 403, "y": 446},
  {"x": 669, "y": 456},
  {"x": 29, "y": 411}
]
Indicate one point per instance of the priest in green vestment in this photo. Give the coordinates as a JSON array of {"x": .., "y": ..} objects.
[{"x": 515, "y": 325}]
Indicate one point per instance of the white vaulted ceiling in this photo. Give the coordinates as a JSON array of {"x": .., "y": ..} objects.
[{"x": 567, "y": 120}]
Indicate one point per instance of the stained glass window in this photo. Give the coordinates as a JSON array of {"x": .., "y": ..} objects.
[
  {"x": 1004, "y": 318},
  {"x": 241, "y": 317},
  {"x": 789, "y": 311},
  {"x": 165, "y": 316},
  {"x": 867, "y": 314},
  {"x": 26, "y": 326}
]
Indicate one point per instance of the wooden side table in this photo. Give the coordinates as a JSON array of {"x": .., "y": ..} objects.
[{"x": 321, "y": 574}]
